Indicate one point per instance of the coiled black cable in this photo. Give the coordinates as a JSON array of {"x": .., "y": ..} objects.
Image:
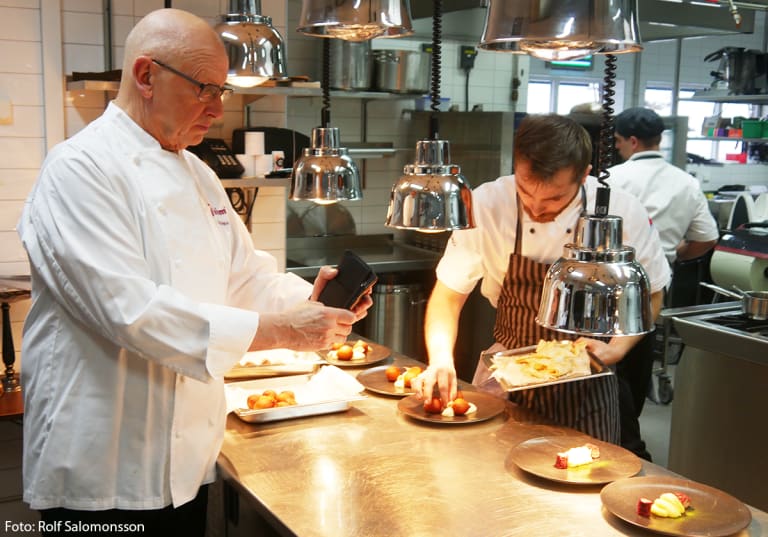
[
  {"x": 606, "y": 128},
  {"x": 606, "y": 147},
  {"x": 437, "y": 30},
  {"x": 325, "y": 112}
]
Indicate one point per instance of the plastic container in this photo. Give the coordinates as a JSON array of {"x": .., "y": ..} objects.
[
  {"x": 751, "y": 128},
  {"x": 765, "y": 128},
  {"x": 738, "y": 157}
]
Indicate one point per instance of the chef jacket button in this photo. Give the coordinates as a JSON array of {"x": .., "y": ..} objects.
[
  {"x": 533, "y": 230},
  {"x": 136, "y": 160},
  {"x": 568, "y": 230},
  {"x": 177, "y": 262},
  {"x": 161, "y": 208}
]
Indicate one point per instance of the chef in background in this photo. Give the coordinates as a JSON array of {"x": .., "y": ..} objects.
[
  {"x": 522, "y": 223},
  {"x": 673, "y": 198},
  {"x": 145, "y": 291}
]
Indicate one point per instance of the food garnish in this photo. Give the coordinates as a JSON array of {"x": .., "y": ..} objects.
[
  {"x": 346, "y": 352},
  {"x": 668, "y": 505},
  {"x": 271, "y": 399},
  {"x": 577, "y": 456}
]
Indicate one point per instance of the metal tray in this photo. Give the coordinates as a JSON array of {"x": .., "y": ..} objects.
[
  {"x": 596, "y": 366},
  {"x": 285, "y": 362},
  {"x": 295, "y": 383}
]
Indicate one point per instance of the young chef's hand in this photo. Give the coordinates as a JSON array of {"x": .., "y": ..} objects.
[
  {"x": 442, "y": 375},
  {"x": 607, "y": 353}
]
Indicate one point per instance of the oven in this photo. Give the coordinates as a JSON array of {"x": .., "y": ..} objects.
[{"x": 719, "y": 429}]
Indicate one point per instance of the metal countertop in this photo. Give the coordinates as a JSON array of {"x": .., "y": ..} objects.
[{"x": 372, "y": 471}]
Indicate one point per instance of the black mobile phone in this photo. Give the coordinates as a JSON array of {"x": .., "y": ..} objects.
[{"x": 354, "y": 279}]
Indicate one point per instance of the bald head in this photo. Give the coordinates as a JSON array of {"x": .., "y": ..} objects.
[
  {"x": 170, "y": 55},
  {"x": 170, "y": 34}
]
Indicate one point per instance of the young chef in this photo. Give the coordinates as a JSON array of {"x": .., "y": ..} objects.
[
  {"x": 522, "y": 223},
  {"x": 145, "y": 290}
]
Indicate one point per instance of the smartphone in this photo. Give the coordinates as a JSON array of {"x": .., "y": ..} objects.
[{"x": 354, "y": 279}]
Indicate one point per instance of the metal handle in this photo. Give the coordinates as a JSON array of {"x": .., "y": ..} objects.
[{"x": 718, "y": 289}]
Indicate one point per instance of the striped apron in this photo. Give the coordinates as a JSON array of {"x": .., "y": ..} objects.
[{"x": 590, "y": 406}]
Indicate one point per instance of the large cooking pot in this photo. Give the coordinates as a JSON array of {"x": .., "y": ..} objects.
[
  {"x": 754, "y": 304},
  {"x": 351, "y": 65},
  {"x": 401, "y": 71}
]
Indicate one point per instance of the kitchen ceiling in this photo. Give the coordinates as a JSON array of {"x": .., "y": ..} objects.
[{"x": 658, "y": 19}]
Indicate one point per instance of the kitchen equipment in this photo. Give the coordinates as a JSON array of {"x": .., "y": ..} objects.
[
  {"x": 741, "y": 258},
  {"x": 719, "y": 387},
  {"x": 738, "y": 69},
  {"x": 401, "y": 71},
  {"x": 396, "y": 318},
  {"x": 754, "y": 304},
  {"x": 352, "y": 64}
]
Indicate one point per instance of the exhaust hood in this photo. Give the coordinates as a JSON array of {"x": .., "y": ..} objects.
[{"x": 463, "y": 20}]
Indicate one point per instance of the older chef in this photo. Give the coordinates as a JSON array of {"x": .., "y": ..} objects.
[
  {"x": 523, "y": 221},
  {"x": 145, "y": 290}
]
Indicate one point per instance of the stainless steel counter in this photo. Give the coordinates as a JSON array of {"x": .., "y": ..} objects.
[
  {"x": 385, "y": 255},
  {"x": 372, "y": 471}
]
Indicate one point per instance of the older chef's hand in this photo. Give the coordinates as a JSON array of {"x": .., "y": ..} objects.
[
  {"x": 327, "y": 273},
  {"x": 306, "y": 327},
  {"x": 440, "y": 375}
]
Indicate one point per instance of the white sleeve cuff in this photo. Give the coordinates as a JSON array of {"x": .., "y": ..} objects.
[{"x": 231, "y": 334}]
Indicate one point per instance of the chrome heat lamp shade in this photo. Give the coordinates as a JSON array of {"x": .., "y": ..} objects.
[
  {"x": 325, "y": 173},
  {"x": 431, "y": 195},
  {"x": 355, "y": 20},
  {"x": 255, "y": 48},
  {"x": 563, "y": 29},
  {"x": 597, "y": 288}
]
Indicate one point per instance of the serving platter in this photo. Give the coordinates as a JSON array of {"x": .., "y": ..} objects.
[
  {"x": 597, "y": 369},
  {"x": 377, "y": 354},
  {"x": 376, "y": 381},
  {"x": 712, "y": 513},
  {"x": 488, "y": 406},
  {"x": 537, "y": 456}
]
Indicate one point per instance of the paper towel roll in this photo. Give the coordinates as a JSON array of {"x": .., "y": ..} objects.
[
  {"x": 254, "y": 143},
  {"x": 248, "y": 162},
  {"x": 262, "y": 164},
  {"x": 748, "y": 273}
]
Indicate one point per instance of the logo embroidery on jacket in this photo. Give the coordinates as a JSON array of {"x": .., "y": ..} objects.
[{"x": 220, "y": 215}]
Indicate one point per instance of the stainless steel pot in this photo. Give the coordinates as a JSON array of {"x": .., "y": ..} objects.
[
  {"x": 351, "y": 65},
  {"x": 401, "y": 71},
  {"x": 754, "y": 304}
]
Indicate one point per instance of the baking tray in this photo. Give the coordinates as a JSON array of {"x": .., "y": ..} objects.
[
  {"x": 284, "y": 362},
  {"x": 596, "y": 366},
  {"x": 312, "y": 407}
]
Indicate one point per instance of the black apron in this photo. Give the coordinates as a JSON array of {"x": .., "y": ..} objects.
[{"x": 590, "y": 406}]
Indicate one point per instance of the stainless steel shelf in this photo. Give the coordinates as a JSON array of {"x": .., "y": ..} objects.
[
  {"x": 726, "y": 139},
  {"x": 722, "y": 97},
  {"x": 92, "y": 85},
  {"x": 256, "y": 182},
  {"x": 287, "y": 91}
]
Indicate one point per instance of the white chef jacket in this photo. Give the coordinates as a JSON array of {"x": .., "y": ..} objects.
[
  {"x": 145, "y": 290},
  {"x": 672, "y": 197},
  {"x": 483, "y": 252}
]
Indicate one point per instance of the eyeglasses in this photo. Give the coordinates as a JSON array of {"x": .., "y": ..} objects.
[{"x": 206, "y": 92}]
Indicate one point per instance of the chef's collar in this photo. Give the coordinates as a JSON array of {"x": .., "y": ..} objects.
[
  {"x": 647, "y": 155},
  {"x": 143, "y": 138}
]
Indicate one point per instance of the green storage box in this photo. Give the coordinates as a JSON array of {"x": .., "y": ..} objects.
[{"x": 751, "y": 128}]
